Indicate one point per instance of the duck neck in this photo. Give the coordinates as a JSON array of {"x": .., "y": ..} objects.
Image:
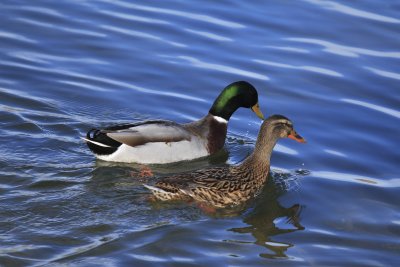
[{"x": 260, "y": 159}]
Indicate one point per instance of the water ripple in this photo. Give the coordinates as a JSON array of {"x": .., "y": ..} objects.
[
  {"x": 148, "y": 258},
  {"x": 83, "y": 85},
  {"x": 359, "y": 179},
  {"x": 205, "y": 65},
  {"x": 62, "y": 28},
  {"x": 46, "y": 58},
  {"x": 133, "y": 17},
  {"x": 17, "y": 37},
  {"x": 352, "y": 11},
  {"x": 103, "y": 80},
  {"x": 188, "y": 15},
  {"x": 289, "y": 48},
  {"x": 210, "y": 35},
  {"x": 284, "y": 149},
  {"x": 26, "y": 99},
  {"x": 140, "y": 34},
  {"x": 384, "y": 73},
  {"x": 41, "y": 10},
  {"x": 388, "y": 111},
  {"x": 347, "y": 51},
  {"x": 73, "y": 252},
  {"x": 307, "y": 68},
  {"x": 336, "y": 153}
]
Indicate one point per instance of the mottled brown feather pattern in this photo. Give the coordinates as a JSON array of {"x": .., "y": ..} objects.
[{"x": 220, "y": 186}]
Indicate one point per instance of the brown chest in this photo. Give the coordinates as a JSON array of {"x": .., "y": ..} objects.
[{"x": 216, "y": 136}]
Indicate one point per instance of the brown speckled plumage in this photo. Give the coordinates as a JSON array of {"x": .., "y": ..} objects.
[{"x": 231, "y": 185}]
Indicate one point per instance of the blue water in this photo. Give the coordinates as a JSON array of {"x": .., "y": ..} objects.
[{"x": 332, "y": 67}]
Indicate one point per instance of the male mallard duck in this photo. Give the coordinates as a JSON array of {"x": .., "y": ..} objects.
[
  {"x": 161, "y": 141},
  {"x": 232, "y": 185}
]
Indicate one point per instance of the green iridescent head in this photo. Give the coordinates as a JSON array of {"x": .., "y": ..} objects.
[{"x": 236, "y": 95}]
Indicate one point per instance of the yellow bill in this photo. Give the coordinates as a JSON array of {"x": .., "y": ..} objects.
[{"x": 256, "y": 109}]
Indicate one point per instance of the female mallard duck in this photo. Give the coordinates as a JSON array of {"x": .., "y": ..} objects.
[
  {"x": 232, "y": 185},
  {"x": 166, "y": 141}
]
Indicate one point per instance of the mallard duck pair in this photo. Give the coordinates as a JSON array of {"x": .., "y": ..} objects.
[{"x": 166, "y": 141}]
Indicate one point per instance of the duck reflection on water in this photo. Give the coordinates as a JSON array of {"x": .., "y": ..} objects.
[{"x": 267, "y": 219}]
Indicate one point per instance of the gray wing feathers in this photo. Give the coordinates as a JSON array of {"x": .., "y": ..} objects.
[{"x": 142, "y": 134}]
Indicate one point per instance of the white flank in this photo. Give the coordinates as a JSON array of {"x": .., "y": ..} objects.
[
  {"x": 220, "y": 119},
  {"x": 159, "y": 152},
  {"x": 94, "y": 142}
]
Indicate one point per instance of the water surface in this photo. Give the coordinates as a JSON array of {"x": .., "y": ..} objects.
[{"x": 330, "y": 66}]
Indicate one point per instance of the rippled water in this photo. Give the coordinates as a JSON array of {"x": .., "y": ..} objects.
[{"x": 330, "y": 66}]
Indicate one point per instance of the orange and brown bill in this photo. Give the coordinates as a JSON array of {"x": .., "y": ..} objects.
[{"x": 295, "y": 136}]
